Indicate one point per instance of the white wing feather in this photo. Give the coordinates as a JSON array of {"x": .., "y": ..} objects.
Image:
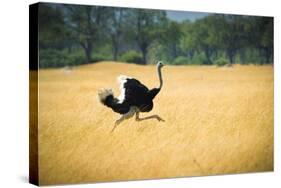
[{"x": 122, "y": 79}]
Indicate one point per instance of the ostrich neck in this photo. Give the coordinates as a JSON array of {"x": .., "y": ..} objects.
[{"x": 160, "y": 76}]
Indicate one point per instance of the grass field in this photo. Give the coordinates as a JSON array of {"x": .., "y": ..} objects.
[{"x": 217, "y": 121}]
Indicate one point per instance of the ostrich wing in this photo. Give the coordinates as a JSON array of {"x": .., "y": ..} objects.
[{"x": 132, "y": 90}]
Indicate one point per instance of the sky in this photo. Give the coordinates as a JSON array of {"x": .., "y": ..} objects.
[
  {"x": 183, "y": 15},
  {"x": 174, "y": 14}
]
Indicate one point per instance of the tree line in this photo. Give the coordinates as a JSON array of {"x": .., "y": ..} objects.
[{"x": 76, "y": 34}]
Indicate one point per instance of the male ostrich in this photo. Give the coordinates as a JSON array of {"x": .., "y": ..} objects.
[{"x": 134, "y": 98}]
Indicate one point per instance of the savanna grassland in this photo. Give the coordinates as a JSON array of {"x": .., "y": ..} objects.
[{"x": 217, "y": 120}]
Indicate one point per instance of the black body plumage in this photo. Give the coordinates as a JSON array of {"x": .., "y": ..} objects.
[
  {"x": 133, "y": 94},
  {"x": 136, "y": 94},
  {"x": 113, "y": 103}
]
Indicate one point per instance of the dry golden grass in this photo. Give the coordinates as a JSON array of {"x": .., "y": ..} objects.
[{"x": 218, "y": 120}]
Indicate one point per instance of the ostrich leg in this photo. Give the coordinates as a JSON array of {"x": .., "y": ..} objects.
[
  {"x": 148, "y": 117},
  {"x": 128, "y": 115}
]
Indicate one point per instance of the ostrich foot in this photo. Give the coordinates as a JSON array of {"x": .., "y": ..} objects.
[
  {"x": 149, "y": 117},
  {"x": 160, "y": 119},
  {"x": 117, "y": 122}
]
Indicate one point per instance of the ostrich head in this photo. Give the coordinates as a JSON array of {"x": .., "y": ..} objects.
[{"x": 160, "y": 64}]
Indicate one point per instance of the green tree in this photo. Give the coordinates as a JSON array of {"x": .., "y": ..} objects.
[
  {"x": 146, "y": 26},
  {"x": 187, "y": 42},
  {"x": 87, "y": 25},
  {"x": 170, "y": 38},
  {"x": 205, "y": 35},
  {"x": 260, "y": 36},
  {"x": 52, "y": 33},
  {"x": 116, "y": 23},
  {"x": 232, "y": 35}
]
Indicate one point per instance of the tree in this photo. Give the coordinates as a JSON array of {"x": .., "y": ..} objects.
[
  {"x": 205, "y": 36},
  {"x": 170, "y": 38},
  {"x": 87, "y": 25},
  {"x": 146, "y": 26},
  {"x": 107, "y": 33},
  {"x": 52, "y": 33},
  {"x": 187, "y": 44},
  {"x": 232, "y": 34},
  {"x": 267, "y": 38},
  {"x": 260, "y": 31},
  {"x": 116, "y": 28}
]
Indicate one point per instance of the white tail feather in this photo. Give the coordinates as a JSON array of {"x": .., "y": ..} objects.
[{"x": 103, "y": 93}]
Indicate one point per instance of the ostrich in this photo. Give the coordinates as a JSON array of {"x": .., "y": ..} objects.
[{"x": 134, "y": 98}]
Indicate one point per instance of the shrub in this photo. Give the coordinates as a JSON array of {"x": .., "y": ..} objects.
[
  {"x": 102, "y": 53},
  {"x": 181, "y": 60},
  {"x": 131, "y": 57},
  {"x": 59, "y": 58},
  {"x": 101, "y": 57},
  {"x": 222, "y": 62},
  {"x": 199, "y": 59},
  {"x": 51, "y": 58},
  {"x": 76, "y": 58}
]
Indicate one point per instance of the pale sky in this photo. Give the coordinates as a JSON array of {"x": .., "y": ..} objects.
[{"x": 183, "y": 15}]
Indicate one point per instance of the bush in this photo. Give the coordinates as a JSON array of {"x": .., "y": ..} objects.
[
  {"x": 76, "y": 58},
  {"x": 101, "y": 57},
  {"x": 102, "y": 53},
  {"x": 199, "y": 59},
  {"x": 60, "y": 58},
  {"x": 222, "y": 62},
  {"x": 181, "y": 60},
  {"x": 253, "y": 56},
  {"x": 159, "y": 52},
  {"x": 131, "y": 57},
  {"x": 51, "y": 58}
]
